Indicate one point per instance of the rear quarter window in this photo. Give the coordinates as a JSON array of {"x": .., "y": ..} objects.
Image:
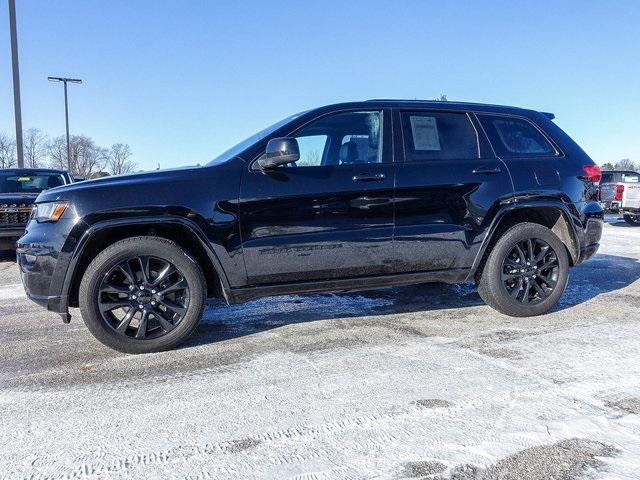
[{"x": 515, "y": 137}]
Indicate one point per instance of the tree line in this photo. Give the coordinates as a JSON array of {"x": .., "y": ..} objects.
[
  {"x": 624, "y": 164},
  {"x": 87, "y": 158}
]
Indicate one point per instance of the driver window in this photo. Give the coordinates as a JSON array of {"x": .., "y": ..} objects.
[{"x": 341, "y": 139}]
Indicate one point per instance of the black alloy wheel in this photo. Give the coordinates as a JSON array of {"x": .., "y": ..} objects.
[
  {"x": 525, "y": 272},
  {"x": 530, "y": 271},
  {"x": 142, "y": 294},
  {"x": 143, "y": 297}
]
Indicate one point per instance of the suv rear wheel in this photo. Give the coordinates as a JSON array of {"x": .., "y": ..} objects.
[
  {"x": 526, "y": 271},
  {"x": 142, "y": 294},
  {"x": 631, "y": 219}
]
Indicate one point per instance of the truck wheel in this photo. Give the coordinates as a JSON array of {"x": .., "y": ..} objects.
[
  {"x": 631, "y": 219},
  {"x": 526, "y": 271},
  {"x": 142, "y": 294}
]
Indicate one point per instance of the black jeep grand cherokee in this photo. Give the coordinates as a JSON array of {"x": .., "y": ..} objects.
[{"x": 344, "y": 197}]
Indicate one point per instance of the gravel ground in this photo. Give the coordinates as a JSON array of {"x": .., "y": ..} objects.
[{"x": 413, "y": 382}]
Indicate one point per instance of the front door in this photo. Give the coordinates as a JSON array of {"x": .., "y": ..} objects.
[
  {"x": 445, "y": 189},
  {"x": 330, "y": 214}
]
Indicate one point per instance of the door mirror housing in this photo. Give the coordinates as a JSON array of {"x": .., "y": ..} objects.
[{"x": 280, "y": 151}]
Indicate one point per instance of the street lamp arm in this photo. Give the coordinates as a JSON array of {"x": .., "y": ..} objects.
[{"x": 63, "y": 79}]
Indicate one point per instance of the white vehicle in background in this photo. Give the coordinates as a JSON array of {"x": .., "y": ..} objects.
[{"x": 620, "y": 193}]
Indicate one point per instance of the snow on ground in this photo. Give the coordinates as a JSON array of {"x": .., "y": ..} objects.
[{"x": 413, "y": 382}]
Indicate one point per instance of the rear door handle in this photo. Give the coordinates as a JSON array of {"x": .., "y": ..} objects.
[
  {"x": 369, "y": 177},
  {"x": 487, "y": 170}
]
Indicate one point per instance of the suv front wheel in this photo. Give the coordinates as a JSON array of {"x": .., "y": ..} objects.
[
  {"x": 526, "y": 271},
  {"x": 142, "y": 294}
]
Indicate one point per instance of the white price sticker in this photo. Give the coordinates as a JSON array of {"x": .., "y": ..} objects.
[{"x": 425, "y": 133}]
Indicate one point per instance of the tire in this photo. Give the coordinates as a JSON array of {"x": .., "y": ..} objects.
[
  {"x": 502, "y": 276},
  {"x": 146, "y": 322},
  {"x": 632, "y": 219}
]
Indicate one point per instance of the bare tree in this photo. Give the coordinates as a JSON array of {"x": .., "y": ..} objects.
[
  {"x": 86, "y": 156},
  {"x": 35, "y": 147},
  {"x": 119, "y": 160},
  {"x": 8, "y": 154},
  {"x": 57, "y": 150},
  {"x": 607, "y": 166},
  {"x": 441, "y": 98},
  {"x": 625, "y": 164},
  {"x": 311, "y": 159}
]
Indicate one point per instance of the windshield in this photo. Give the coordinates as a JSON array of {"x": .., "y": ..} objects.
[
  {"x": 29, "y": 183},
  {"x": 256, "y": 137}
]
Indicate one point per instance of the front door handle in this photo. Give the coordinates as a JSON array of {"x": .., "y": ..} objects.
[
  {"x": 369, "y": 177},
  {"x": 487, "y": 170}
]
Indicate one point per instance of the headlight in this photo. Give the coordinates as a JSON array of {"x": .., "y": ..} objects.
[{"x": 48, "y": 211}]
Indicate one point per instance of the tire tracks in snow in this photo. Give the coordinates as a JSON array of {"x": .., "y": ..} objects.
[{"x": 294, "y": 434}]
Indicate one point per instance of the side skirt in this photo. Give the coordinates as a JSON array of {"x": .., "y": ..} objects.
[{"x": 244, "y": 294}]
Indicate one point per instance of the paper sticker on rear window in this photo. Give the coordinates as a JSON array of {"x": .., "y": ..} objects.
[
  {"x": 425, "y": 133},
  {"x": 24, "y": 179}
]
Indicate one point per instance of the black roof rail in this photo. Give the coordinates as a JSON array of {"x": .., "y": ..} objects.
[{"x": 443, "y": 102}]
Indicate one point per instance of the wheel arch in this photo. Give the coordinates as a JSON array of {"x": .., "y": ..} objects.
[
  {"x": 181, "y": 231},
  {"x": 554, "y": 216}
]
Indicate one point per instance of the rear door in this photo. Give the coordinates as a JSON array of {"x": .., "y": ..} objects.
[
  {"x": 536, "y": 164},
  {"x": 330, "y": 214},
  {"x": 446, "y": 187}
]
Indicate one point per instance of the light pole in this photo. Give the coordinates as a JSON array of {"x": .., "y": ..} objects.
[
  {"x": 16, "y": 81},
  {"x": 66, "y": 111}
]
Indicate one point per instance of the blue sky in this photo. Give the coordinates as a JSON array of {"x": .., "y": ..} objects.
[{"x": 181, "y": 81}]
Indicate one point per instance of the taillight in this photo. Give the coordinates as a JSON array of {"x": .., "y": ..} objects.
[
  {"x": 592, "y": 173},
  {"x": 619, "y": 192}
]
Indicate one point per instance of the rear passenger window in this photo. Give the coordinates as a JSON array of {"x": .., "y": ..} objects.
[
  {"x": 438, "y": 136},
  {"x": 515, "y": 137}
]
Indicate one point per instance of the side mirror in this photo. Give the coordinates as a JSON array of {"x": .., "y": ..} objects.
[{"x": 279, "y": 152}]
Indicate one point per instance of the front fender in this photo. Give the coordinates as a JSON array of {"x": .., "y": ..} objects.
[{"x": 78, "y": 247}]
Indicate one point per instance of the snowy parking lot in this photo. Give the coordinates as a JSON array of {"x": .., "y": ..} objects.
[{"x": 413, "y": 382}]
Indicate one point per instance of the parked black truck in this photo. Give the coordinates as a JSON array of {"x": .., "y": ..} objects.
[
  {"x": 18, "y": 190},
  {"x": 344, "y": 197}
]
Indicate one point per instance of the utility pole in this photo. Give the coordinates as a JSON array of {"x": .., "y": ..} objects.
[
  {"x": 16, "y": 81},
  {"x": 66, "y": 111}
]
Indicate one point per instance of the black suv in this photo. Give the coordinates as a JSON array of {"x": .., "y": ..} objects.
[
  {"x": 344, "y": 197},
  {"x": 19, "y": 188}
]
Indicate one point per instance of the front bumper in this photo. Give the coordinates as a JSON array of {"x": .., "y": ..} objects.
[
  {"x": 43, "y": 262},
  {"x": 37, "y": 272},
  {"x": 9, "y": 236}
]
